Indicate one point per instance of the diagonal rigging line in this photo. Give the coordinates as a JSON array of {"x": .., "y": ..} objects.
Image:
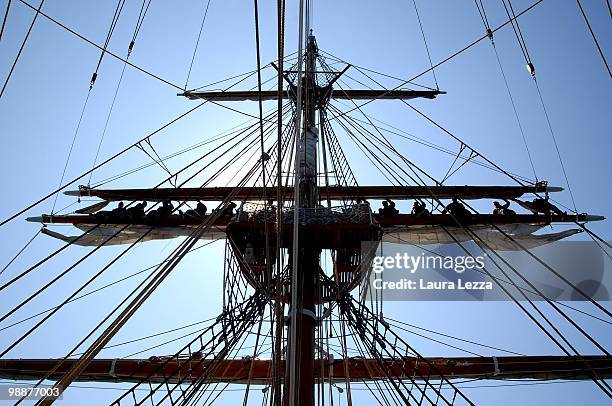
[
  {"x": 6, "y": 13},
  {"x": 240, "y": 140},
  {"x": 22, "y": 44},
  {"x": 411, "y": 137},
  {"x": 340, "y": 60},
  {"x": 543, "y": 329},
  {"x": 521, "y": 41},
  {"x": 516, "y": 115},
  {"x": 97, "y": 289},
  {"x": 452, "y": 56},
  {"x": 263, "y": 152},
  {"x": 416, "y": 10},
  {"x": 20, "y": 252},
  {"x": 483, "y": 15},
  {"x": 74, "y": 137},
  {"x": 139, "y": 22},
  {"x": 554, "y": 138},
  {"x": 57, "y": 308},
  {"x": 111, "y": 30},
  {"x": 145, "y": 292},
  {"x": 586, "y": 20},
  {"x": 151, "y": 134},
  {"x": 195, "y": 49},
  {"x": 254, "y": 169},
  {"x": 110, "y": 112},
  {"x": 532, "y": 255},
  {"x": 447, "y": 132},
  {"x": 234, "y": 131},
  {"x": 551, "y": 271},
  {"x": 102, "y": 48}
]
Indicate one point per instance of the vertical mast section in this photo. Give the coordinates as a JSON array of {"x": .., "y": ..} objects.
[
  {"x": 299, "y": 377},
  {"x": 291, "y": 378},
  {"x": 278, "y": 308},
  {"x": 310, "y": 134}
]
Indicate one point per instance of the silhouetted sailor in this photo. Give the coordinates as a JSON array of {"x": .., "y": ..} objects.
[
  {"x": 385, "y": 209},
  {"x": 166, "y": 209},
  {"x": 456, "y": 209},
  {"x": 198, "y": 212},
  {"x": 503, "y": 209},
  {"x": 392, "y": 210},
  {"x": 419, "y": 209},
  {"x": 228, "y": 212},
  {"x": 388, "y": 208},
  {"x": 137, "y": 211},
  {"x": 162, "y": 212},
  {"x": 201, "y": 208},
  {"x": 540, "y": 206},
  {"x": 120, "y": 211}
]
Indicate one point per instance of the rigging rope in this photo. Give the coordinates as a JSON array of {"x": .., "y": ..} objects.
[
  {"x": 248, "y": 175},
  {"x": 433, "y": 72},
  {"x": 519, "y": 35},
  {"x": 411, "y": 137},
  {"x": 65, "y": 27},
  {"x": 483, "y": 15},
  {"x": 195, "y": 50},
  {"x": 531, "y": 68},
  {"x": 554, "y": 138},
  {"x": 114, "y": 21},
  {"x": 8, "y": 8},
  {"x": 333, "y": 57},
  {"x": 113, "y": 25},
  {"x": 548, "y": 267},
  {"x": 516, "y": 115},
  {"x": 268, "y": 256},
  {"x": 586, "y": 20},
  {"x": 23, "y": 43},
  {"x": 74, "y": 137},
  {"x": 168, "y": 124},
  {"x": 98, "y": 289},
  {"x": 139, "y": 21},
  {"x": 510, "y": 237},
  {"x": 20, "y": 252},
  {"x": 601, "y": 385}
]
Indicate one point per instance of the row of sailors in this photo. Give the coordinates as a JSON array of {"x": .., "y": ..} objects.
[
  {"x": 536, "y": 206},
  {"x": 164, "y": 211},
  {"x": 458, "y": 209},
  {"x": 388, "y": 209}
]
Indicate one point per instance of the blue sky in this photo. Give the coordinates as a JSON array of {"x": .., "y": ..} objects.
[{"x": 41, "y": 106}]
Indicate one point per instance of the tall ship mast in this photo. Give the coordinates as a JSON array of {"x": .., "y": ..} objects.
[{"x": 301, "y": 237}]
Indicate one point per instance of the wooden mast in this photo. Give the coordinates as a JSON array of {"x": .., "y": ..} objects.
[{"x": 302, "y": 362}]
